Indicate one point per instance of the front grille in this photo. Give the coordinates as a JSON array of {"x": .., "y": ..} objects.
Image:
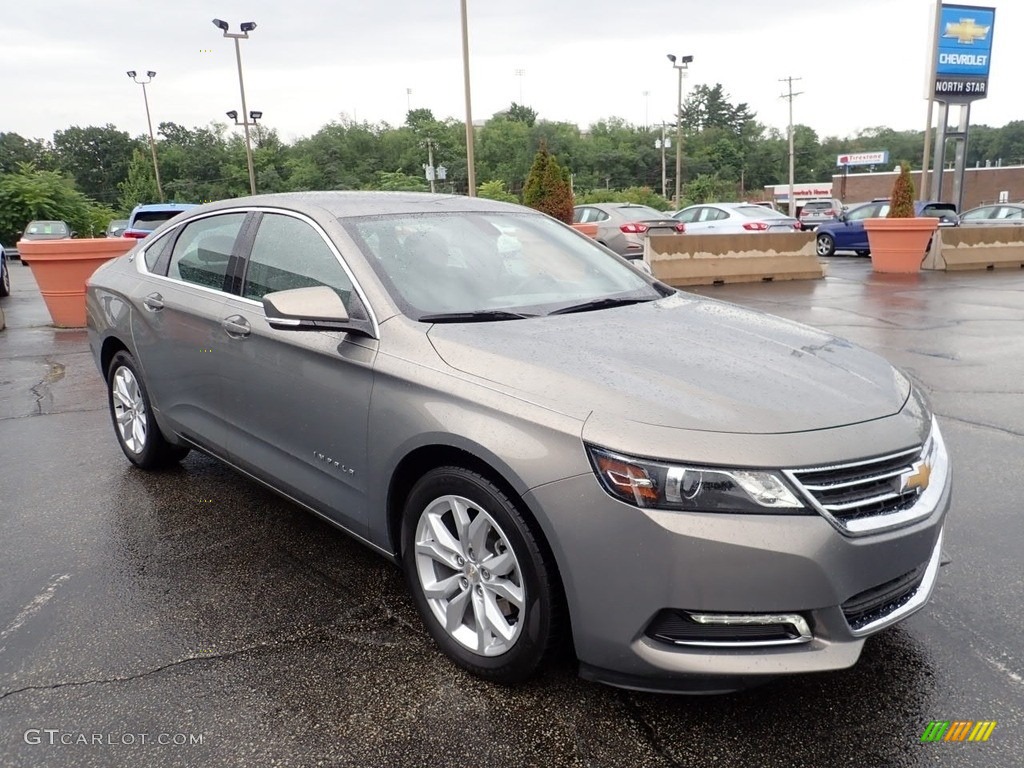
[
  {"x": 677, "y": 628},
  {"x": 878, "y": 602},
  {"x": 864, "y": 489}
]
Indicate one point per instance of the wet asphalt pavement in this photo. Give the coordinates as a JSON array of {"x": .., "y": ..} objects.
[{"x": 191, "y": 618}]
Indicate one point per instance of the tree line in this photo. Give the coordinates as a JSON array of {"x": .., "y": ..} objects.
[{"x": 88, "y": 175}]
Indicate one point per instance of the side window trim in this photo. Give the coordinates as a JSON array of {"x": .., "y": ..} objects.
[{"x": 245, "y": 252}]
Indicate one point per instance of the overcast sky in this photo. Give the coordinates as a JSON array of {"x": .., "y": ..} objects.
[{"x": 862, "y": 62}]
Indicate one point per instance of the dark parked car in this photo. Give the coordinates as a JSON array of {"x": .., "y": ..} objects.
[
  {"x": 5, "y": 276},
  {"x": 847, "y": 232},
  {"x": 624, "y": 226},
  {"x": 553, "y": 445},
  {"x": 116, "y": 228}
]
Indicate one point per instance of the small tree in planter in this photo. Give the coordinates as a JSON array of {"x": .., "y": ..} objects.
[
  {"x": 546, "y": 187},
  {"x": 901, "y": 203},
  {"x": 899, "y": 242}
]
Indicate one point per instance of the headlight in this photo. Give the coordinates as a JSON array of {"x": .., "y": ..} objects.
[{"x": 656, "y": 485}]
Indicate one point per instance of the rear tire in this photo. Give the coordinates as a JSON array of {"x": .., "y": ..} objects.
[
  {"x": 5, "y": 278},
  {"x": 130, "y": 410},
  {"x": 478, "y": 576}
]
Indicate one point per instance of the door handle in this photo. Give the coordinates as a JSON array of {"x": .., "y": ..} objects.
[
  {"x": 236, "y": 326},
  {"x": 154, "y": 302}
]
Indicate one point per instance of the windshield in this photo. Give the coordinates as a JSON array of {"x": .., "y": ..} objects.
[{"x": 482, "y": 262}]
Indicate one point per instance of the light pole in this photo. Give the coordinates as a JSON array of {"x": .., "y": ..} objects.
[
  {"x": 152, "y": 142},
  {"x": 470, "y": 168},
  {"x": 663, "y": 143},
  {"x": 681, "y": 66},
  {"x": 246, "y": 27},
  {"x": 521, "y": 73}
]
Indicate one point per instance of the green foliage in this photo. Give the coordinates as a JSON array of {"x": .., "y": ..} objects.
[
  {"x": 547, "y": 189},
  {"x": 709, "y": 188},
  {"x": 521, "y": 113},
  {"x": 96, "y": 157},
  {"x": 901, "y": 203},
  {"x": 495, "y": 190},
  {"x": 140, "y": 184},
  {"x": 32, "y": 194},
  {"x": 15, "y": 150},
  {"x": 396, "y": 181}
]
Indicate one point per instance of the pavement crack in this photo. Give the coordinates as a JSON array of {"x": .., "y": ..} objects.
[
  {"x": 41, "y": 391},
  {"x": 291, "y": 639},
  {"x": 648, "y": 730}
]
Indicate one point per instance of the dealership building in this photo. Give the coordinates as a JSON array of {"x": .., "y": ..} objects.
[{"x": 981, "y": 186}]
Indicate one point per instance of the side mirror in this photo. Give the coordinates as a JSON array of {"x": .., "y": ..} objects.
[{"x": 317, "y": 308}]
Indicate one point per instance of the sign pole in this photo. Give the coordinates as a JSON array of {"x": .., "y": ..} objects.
[{"x": 934, "y": 50}]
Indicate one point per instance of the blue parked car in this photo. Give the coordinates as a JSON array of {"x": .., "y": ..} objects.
[
  {"x": 847, "y": 232},
  {"x": 147, "y": 217}
]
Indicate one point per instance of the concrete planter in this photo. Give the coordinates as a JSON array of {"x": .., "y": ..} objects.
[
  {"x": 899, "y": 246},
  {"x": 61, "y": 268}
]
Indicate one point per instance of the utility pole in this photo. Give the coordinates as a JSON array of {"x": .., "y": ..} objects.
[
  {"x": 792, "y": 155},
  {"x": 470, "y": 164},
  {"x": 681, "y": 65}
]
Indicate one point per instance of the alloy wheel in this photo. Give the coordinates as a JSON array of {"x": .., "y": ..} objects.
[
  {"x": 129, "y": 410},
  {"x": 469, "y": 575}
]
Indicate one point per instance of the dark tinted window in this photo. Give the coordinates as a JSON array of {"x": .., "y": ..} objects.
[
  {"x": 202, "y": 251},
  {"x": 939, "y": 210},
  {"x": 150, "y": 220},
  {"x": 289, "y": 253}
]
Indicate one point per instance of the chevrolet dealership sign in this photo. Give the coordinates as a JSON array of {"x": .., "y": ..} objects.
[{"x": 963, "y": 53}]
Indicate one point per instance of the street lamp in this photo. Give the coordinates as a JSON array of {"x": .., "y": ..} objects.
[
  {"x": 246, "y": 27},
  {"x": 681, "y": 66},
  {"x": 152, "y": 142}
]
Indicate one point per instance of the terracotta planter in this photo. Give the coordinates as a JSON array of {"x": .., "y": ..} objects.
[
  {"x": 587, "y": 229},
  {"x": 61, "y": 268},
  {"x": 899, "y": 245}
]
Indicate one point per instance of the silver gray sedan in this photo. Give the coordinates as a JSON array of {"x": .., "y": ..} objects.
[
  {"x": 994, "y": 215},
  {"x": 554, "y": 446}
]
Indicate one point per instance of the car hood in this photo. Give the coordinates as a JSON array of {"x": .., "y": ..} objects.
[{"x": 684, "y": 362}]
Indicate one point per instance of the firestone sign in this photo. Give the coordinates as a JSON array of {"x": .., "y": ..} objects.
[
  {"x": 963, "y": 53},
  {"x": 863, "y": 158}
]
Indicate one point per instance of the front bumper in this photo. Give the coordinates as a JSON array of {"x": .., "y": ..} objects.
[{"x": 622, "y": 566}]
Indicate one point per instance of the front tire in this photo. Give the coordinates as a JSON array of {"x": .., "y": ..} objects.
[
  {"x": 825, "y": 245},
  {"x": 130, "y": 410},
  {"x": 478, "y": 576}
]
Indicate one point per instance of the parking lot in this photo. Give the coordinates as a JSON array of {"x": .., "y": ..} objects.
[{"x": 192, "y": 618}]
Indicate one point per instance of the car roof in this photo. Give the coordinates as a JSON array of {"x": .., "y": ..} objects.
[
  {"x": 344, "y": 203},
  {"x": 144, "y": 207}
]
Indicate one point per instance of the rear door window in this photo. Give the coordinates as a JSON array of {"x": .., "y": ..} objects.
[{"x": 202, "y": 252}]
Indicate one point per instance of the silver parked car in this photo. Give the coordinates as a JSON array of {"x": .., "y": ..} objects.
[
  {"x": 552, "y": 444},
  {"x": 733, "y": 219},
  {"x": 624, "y": 226},
  {"x": 995, "y": 215}
]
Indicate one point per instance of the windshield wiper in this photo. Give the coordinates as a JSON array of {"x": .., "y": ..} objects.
[
  {"x": 479, "y": 316},
  {"x": 605, "y": 303}
]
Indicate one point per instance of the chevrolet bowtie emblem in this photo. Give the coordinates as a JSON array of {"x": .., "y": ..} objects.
[
  {"x": 966, "y": 31},
  {"x": 917, "y": 477}
]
